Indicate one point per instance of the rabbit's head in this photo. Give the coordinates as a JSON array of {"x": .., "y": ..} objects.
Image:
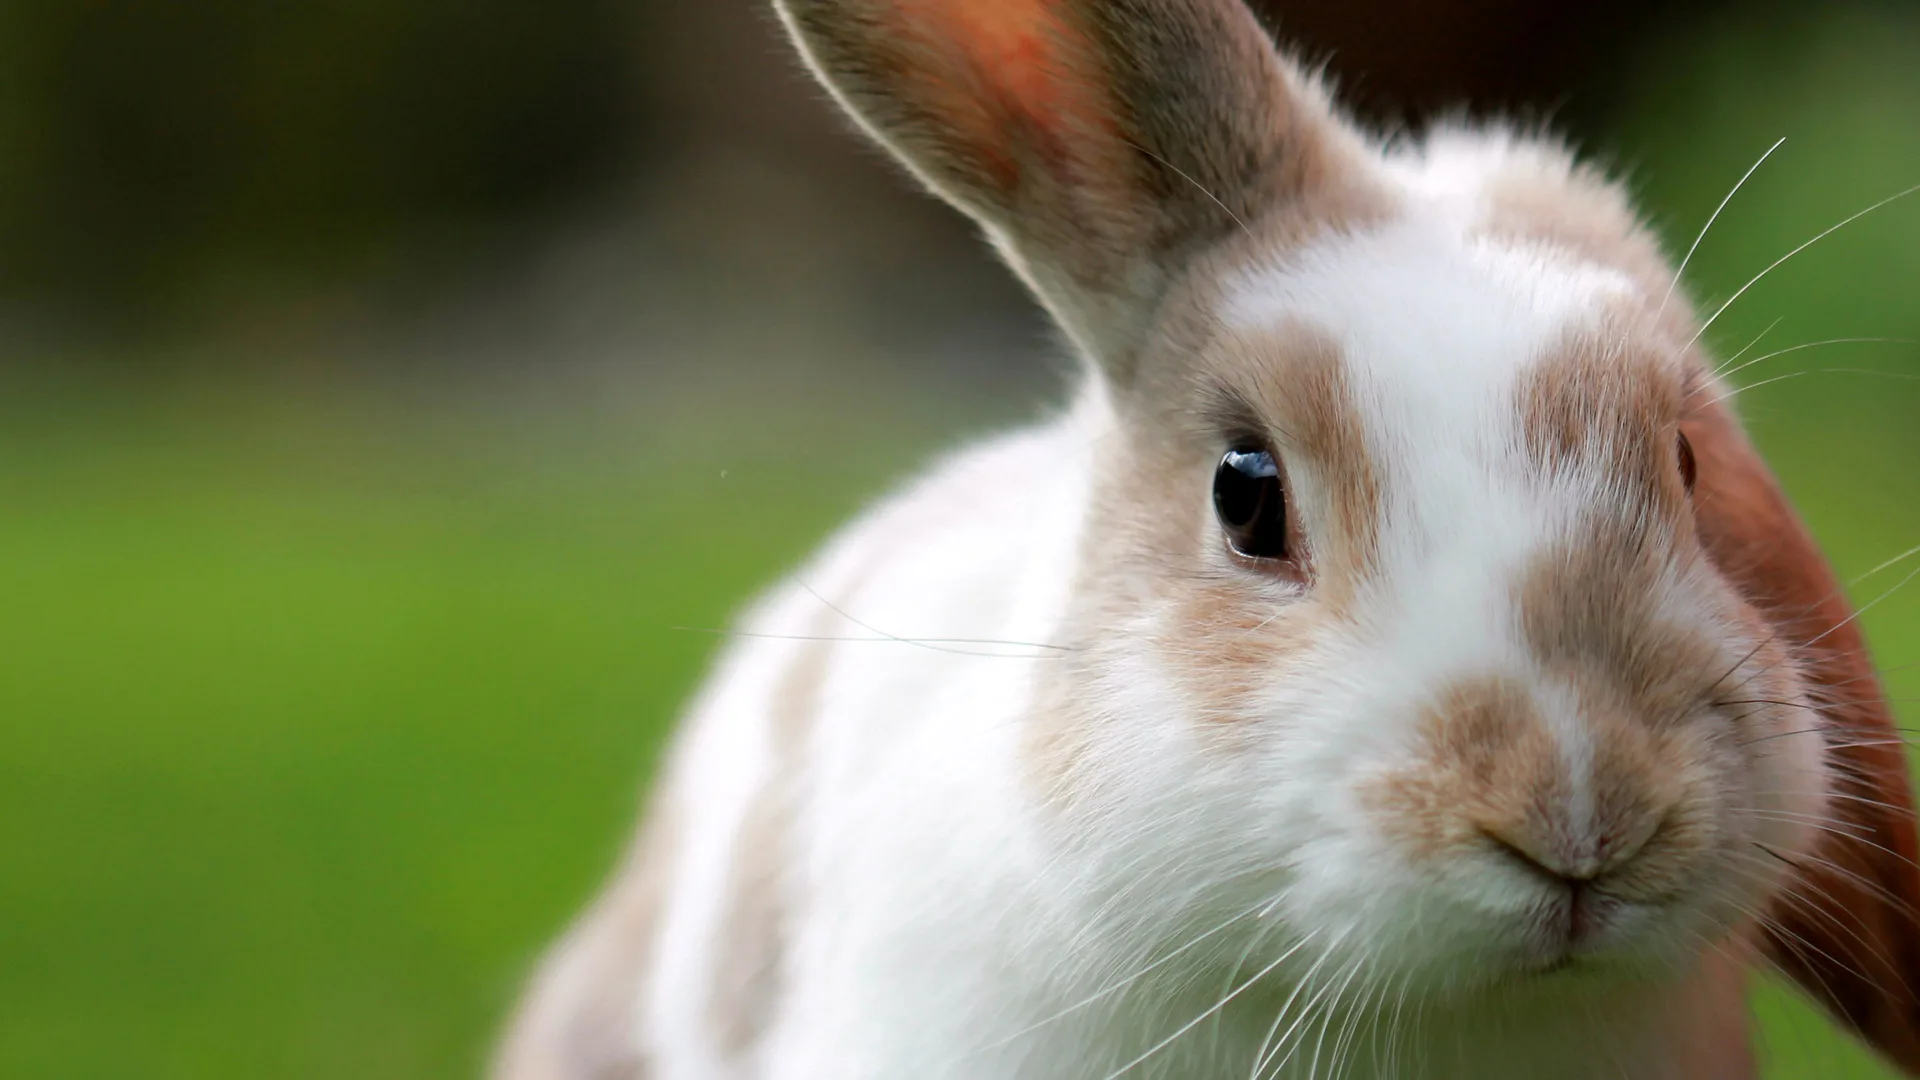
[{"x": 1431, "y": 601}]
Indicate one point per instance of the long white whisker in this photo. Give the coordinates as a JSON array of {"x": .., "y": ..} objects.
[
  {"x": 925, "y": 643},
  {"x": 1122, "y": 984},
  {"x": 1895, "y": 561},
  {"x": 1711, "y": 218},
  {"x": 1775, "y": 265},
  {"x": 1747, "y": 348},
  {"x": 1737, "y": 391},
  {"x": 1308, "y": 1009},
  {"x": 1313, "y": 1004},
  {"x": 1211, "y": 1010},
  {"x": 922, "y": 643},
  {"x": 1863, "y": 609},
  {"x": 1812, "y": 345},
  {"x": 1348, "y": 1041},
  {"x": 1305, "y": 985}
]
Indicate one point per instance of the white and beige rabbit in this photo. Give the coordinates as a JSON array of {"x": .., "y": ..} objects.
[{"x": 1394, "y": 663}]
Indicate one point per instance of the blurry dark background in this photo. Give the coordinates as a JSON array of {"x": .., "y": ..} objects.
[
  {"x": 174, "y": 170},
  {"x": 395, "y": 394}
]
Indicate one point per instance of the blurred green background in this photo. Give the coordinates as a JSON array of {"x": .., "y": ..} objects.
[{"x": 392, "y": 393}]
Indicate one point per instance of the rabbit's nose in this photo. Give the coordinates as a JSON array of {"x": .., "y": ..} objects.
[
  {"x": 1525, "y": 851},
  {"x": 1553, "y": 851},
  {"x": 1575, "y": 875}
]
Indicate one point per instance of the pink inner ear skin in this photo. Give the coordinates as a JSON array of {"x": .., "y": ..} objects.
[{"x": 1043, "y": 92}]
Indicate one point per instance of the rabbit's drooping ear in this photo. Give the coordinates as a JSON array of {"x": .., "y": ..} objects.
[
  {"x": 1097, "y": 140},
  {"x": 1847, "y": 927}
]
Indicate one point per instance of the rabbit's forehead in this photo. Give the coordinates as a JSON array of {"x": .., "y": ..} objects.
[
  {"x": 1450, "y": 347},
  {"x": 1460, "y": 409}
]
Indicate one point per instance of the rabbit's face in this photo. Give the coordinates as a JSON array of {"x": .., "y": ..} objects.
[
  {"x": 1395, "y": 584},
  {"x": 1406, "y": 618}
]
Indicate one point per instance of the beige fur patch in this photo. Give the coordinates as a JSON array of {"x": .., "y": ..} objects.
[{"x": 747, "y": 973}]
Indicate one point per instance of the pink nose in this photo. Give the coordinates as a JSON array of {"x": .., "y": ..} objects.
[{"x": 1563, "y": 858}]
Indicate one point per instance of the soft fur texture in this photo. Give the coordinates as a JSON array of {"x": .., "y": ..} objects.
[{"x": 1029, "y": 775}]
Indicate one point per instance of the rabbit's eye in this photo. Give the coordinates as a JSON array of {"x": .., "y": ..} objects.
[
  {"x": 1251, "y": 499},
  {"x": 1689, "y": 467}
]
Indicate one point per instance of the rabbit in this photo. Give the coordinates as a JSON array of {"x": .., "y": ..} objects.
[{"x": 1395, "y": 661}]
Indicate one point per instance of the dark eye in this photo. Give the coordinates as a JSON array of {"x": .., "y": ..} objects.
[
  {"x": 1251, "y": 499},
  {"x": 1689, "y": 468}
]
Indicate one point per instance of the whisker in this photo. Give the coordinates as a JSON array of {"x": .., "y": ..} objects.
[
  {"x": 1737, "y": 391},
  {"x": 1116, "y": 987},
  {"x": 1774, "y": 928},
  {"x": 1261, "y": 1058},
  {"x": 1326, "y": 1021},
  {"x": 934, "y": 644},
  {"x": 892, "y": 640},
  {"x": 1844, "y": 829},
  {"x": 1308, "y": 1010},
  {"x": 1863, "y": 800},
  {"x": 1873, "y": 887},
  {"x": 1842, "y": 624},
  {"x": 1711, "y": 218},
  {"x": 1895, "y": 561},
  {"x": 1394, "y": 1029},
  {"x": 1848, "y": 745},
  {"x": 1744, "y": 350},
  {"x": 1356, "y": 1015},
  {"x": 1831, "y": 916},
  {"x": 1817, "y": 706},
  {"x": 1211, "y": 1010},
  {"x": 1725, "y": 372},
  {"x": 1775, "y": 265}
]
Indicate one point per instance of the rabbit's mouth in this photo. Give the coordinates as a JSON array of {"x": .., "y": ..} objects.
[
  {"x": 1578, "y": 929},
  {"x": 1572, "y": 926},
  {"x": 1587, "y": 923}
]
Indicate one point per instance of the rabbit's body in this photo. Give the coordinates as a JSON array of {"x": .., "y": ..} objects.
[
  {"x": 893, "y": 706},
  {"x": 1459, "y": 728}
]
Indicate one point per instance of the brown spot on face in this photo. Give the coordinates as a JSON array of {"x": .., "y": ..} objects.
[
  {"x": 1293, "y": 378},
  {"x": 1590, "y": 612},
  {"x": 1604, "y": 404},
  {"x": 1318, "y": 407},
  {"x": 1231, "y": 648},
  {"x": 1603, "y": 411},
  {"x": 1224, "y": 634}
]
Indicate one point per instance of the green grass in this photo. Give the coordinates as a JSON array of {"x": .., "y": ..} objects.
[{"x": 307, "y": 744}]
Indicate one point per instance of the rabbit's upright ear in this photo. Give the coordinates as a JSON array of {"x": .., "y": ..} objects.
[
  {"x": 1099, "y": 141},
  {"x": 1847, "y": 925}
]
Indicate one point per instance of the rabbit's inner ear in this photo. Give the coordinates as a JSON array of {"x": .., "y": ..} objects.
[{"x": 1100, "y": 141}]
